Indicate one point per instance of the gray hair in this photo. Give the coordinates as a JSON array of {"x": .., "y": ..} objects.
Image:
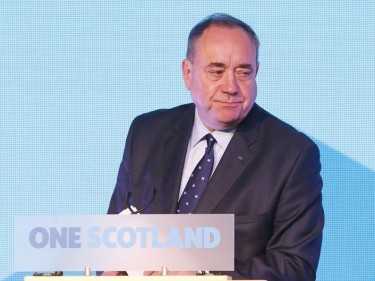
[{"x": 221, "y": 20}]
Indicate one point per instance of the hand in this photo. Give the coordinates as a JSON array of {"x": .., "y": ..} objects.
[{"x": 114, "y": 273}]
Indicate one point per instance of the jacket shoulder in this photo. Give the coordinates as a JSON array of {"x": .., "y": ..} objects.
[
  {"x": 158, "y": 119},
  {"x": 273, "y": 129}
]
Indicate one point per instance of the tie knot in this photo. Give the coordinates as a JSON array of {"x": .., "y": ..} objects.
[{"x": 210, "y": 141}]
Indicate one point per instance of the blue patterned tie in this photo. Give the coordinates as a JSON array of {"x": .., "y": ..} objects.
[{"x": 198, "y": 179}]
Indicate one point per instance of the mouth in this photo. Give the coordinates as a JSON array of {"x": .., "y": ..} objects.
[
  {"x": 229, "y": 103},
  {"x": 230, "y": 100}
]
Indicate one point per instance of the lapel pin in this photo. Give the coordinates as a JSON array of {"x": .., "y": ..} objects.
[{"x": 239, "y": 157}]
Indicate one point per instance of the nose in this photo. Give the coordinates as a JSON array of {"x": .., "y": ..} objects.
[{"x": 230, "y": 84}]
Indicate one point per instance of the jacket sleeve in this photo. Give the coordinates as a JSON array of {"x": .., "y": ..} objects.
[
  {"x": 123, "y": 183},
  {"x": 293, "y": 251}
]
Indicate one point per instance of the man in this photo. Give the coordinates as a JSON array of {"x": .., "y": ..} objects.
[{"x": 265, "y": 172}]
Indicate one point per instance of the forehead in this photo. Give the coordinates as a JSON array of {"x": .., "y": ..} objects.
[{"x": 218, "y": 42}]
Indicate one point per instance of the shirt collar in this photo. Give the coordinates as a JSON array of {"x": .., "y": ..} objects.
[{"x": 200, "y": 130}]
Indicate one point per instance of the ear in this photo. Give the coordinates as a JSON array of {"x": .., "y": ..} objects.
[{"x": 186, "y": 68}]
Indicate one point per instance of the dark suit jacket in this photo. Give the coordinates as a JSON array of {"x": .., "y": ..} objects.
[{"x": 269, "y": 177}]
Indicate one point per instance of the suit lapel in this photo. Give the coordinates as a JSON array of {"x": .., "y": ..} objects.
[
  {"x": 236, "y": 158},
  {"x": 173, "y": 159}
]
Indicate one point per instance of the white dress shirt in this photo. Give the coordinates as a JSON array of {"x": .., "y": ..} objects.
[
  {"x": 195, "y": 151},
  {"x": 197, "y": 145}
]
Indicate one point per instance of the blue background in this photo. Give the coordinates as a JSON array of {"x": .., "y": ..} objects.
[{"x": 73, "y": 74}]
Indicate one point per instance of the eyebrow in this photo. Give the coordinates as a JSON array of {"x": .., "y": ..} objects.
[
  {"x": 245, "y": 65},
  {"x": 215, "y": 64},
  {"x": 220, "y": 64}
]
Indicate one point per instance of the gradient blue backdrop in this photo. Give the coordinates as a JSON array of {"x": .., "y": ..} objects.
[{"x": 73, "y": 74}]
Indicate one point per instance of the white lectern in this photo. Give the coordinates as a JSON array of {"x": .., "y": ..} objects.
[
  {"x": 114, "y": 242},
  {"x": 132, "y": 278}
]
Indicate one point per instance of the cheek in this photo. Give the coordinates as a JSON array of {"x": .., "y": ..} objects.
[
  {"x": 250, "y": 91},
  {"x": 202, "y": 93},
  {"x": 250, "y": 94}
]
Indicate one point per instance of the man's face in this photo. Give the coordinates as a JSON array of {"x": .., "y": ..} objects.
[{"x": 221, "y": 76}]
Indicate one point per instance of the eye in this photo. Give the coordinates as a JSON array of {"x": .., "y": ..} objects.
[
  {"x": 244, "y": 74},
  {"x": 215, "y": 74}
]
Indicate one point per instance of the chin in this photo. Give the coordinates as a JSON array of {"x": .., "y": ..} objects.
[
  {"x": 226, "y": 124},
  {"x": 230, "y": 118}
]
